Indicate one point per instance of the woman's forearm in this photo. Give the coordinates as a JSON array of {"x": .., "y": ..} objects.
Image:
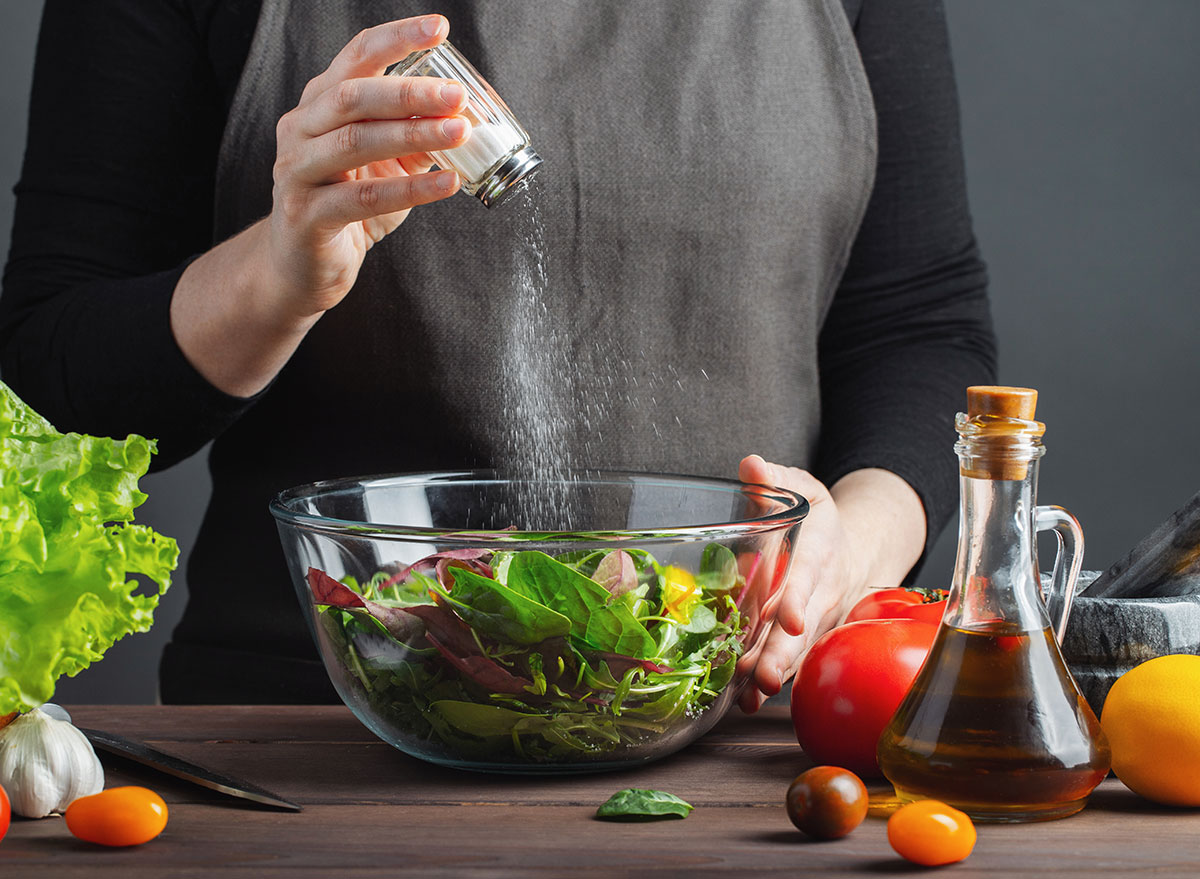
[{"x": 223, "y": 319}]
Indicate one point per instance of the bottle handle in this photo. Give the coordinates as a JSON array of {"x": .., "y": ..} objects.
[{"x": 1067, "y": 563}]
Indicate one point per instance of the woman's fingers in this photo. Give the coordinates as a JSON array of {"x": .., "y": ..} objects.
[
  {"x": 754, "y": 469},
  {"x": 326, "y": 158},
  {"x": 376, "y": 97},
  {"x": 353, "y": 201},
  {"x": 779, "y": 660},
  {"x": 373, "y": 50},
  {"x": 810, "y": 601}
]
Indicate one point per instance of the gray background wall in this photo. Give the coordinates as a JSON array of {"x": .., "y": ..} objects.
[{"x": 1082, "y": 128}]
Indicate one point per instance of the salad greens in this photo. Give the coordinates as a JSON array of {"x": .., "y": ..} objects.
[
  {"x": 67, "y": 545},
  {"x": 518, "y": 656},
  {"x": 633, "y": 804}
]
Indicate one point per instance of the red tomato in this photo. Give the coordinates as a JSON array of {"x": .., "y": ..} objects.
[
  {"x": 118, "y": 816},
  {"x": 5, "y": 812},
  {"x": 900, "y": 603},
  {"x": 850, "y": 684}
]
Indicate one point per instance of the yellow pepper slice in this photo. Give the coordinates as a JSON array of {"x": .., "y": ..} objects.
[{"x": 680, "y": 594}]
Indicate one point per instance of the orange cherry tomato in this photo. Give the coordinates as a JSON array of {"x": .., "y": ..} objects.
[
  {"x": 930, "y": 833},
  {"x": 5, "y": 812},
  {"x": 118, "y": 816}
]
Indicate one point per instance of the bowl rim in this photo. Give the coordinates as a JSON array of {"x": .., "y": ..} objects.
[{"x": 796, "y": 508}]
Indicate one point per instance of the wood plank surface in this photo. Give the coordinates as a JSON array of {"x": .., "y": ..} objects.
[{"x": 371, "y": 811}]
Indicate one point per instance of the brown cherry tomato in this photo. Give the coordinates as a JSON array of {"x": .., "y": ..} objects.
[
  {"x": 930, "y": 833},
  {"x": 118, "y": 816},
  {"x": 827, "y": 802}
]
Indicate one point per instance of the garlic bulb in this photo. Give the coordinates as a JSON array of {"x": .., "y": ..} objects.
[{"x": 45, "y": 764}]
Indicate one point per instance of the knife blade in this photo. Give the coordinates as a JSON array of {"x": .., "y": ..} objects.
[{"x": 142, "y": 753}]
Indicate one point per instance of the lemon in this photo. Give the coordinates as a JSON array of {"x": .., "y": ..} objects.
[{"x": 1152, "y": 720}]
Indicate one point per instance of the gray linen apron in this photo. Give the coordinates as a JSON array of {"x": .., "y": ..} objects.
[{"x": 707, "y": 165}]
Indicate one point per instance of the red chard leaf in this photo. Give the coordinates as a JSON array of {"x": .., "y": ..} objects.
[
  {"x": 620, "y": 665},
  {"x": 617, "y": 573},
  {"x": 400, "y": 624},
  {"x": 485, "y": 672},
  {"x": 327, "y": 590},
  {"x": 445, "y": 564},
  {"x": 428, "y": 564}
]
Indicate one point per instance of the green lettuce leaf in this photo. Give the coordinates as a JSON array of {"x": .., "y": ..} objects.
[{"x": 68, "y": 549}]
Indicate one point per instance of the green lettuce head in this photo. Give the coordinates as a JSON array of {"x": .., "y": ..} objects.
[{"x": 67, "y": 550}]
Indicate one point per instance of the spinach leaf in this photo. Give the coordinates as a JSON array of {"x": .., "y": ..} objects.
[
  {"x": 585, "y": 602},
  {"x": 702, "y": 621},
  {"x": 557, "y": 586},
  {"x": 718, "y": 569},
  {"x": 479, "y": 720},
  {"x": 698, "y": 632},
  {"x": 633, "y": 804},
  {"x": 616, "y": 629},
  {"x": 501, "y": 613},
  {"x": 722, "y": 673}
]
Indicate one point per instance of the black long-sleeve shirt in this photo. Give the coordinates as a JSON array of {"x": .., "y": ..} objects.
[{"x": 116, "y": 196}]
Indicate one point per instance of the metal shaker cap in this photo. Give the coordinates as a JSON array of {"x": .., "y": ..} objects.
[{"x": 503, "y": 181}]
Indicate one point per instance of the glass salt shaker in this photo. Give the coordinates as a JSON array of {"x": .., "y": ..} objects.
[{"x": 497, "y": 156}]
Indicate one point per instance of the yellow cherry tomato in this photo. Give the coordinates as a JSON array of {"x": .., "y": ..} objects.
[
  {"x": 681, "y": 592},
  {"x": 118, "y": 816},
  {"x": 930, "y": 833}
]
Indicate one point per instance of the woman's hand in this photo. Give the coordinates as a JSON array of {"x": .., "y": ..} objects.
[
  {"x": 351, "y": 160},
  {"x": 867, "y": 531}
]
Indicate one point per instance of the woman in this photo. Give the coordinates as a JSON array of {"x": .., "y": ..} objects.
[{"x": 757, "y": 210}]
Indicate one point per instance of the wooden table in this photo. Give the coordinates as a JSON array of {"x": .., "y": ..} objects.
[{"x": 371, "y": 811}]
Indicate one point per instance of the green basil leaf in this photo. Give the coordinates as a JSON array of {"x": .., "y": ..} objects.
[{"x": 633, "y": 804}]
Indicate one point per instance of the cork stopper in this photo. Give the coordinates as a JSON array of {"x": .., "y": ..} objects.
[
  {"x": 1002, "y": 432},
  {"x": 1001, "y": 401}
]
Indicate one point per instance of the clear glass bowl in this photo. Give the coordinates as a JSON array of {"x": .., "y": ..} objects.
[{"x": 554, "y": 648}]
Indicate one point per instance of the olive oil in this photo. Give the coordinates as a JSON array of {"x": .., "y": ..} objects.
[{"x": 995, "y": 726}]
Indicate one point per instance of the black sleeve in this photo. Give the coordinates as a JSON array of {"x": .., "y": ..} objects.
[
  {"x": 115, "y": 197},
  {"x": 910, "y": 327}
]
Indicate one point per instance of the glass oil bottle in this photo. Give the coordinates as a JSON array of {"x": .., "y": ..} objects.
[{"x": 994, "y": 724}]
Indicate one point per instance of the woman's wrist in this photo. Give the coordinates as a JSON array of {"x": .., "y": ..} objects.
[
  {"x": 230, "y": 318},
  {"x": 885, "y": 525}
]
